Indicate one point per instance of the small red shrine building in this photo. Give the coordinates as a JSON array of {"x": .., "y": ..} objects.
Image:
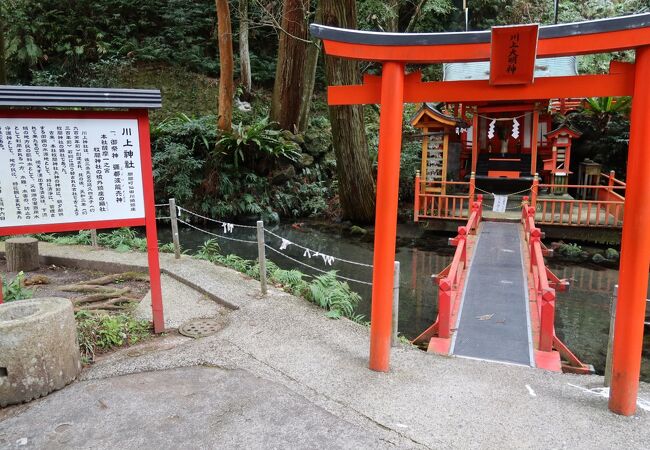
[
  {"x": 506, "y": 148},
  {"x": 503, "y": 143}
]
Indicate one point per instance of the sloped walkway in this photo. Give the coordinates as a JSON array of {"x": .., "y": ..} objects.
[
  {"x": 493, "y": 323},
  {"x": 289, "y": 354}
]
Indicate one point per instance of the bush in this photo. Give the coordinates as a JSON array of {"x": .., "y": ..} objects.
[
  {"x": 16, "y": 290},
  {"x": 257, "y": 142},
  {"x": 571, "y": 251},
  {"x": 336, "y": 296},
  {"x": 99, "y": 333}
]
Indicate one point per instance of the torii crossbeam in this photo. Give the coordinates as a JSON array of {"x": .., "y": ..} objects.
[{"x": 394, "y": 88}]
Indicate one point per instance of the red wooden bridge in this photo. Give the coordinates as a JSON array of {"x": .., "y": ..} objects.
[{"x": 496, "y": 300}]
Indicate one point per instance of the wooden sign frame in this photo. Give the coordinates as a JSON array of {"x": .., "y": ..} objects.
[{"x": 149, "y": 218}]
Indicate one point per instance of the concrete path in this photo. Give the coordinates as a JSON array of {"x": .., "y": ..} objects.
[
  {"x": 191, "y": 408},
  {"x": 181, "y": 304},
  {"x": 292, "y": 354}
]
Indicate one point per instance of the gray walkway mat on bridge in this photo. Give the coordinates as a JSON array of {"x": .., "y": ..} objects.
[{"x": 494, "y": 322}]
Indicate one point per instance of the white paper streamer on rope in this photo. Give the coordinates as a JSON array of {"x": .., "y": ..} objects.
[
  {"x": 500, "y": 203},
  {"x": 491, "y": 129},
  {"x": 228, "y": 227},
  {"x": 329, "y": 260},
  {"x": 515, "y": 128},
  {"x": 285, "y": 244}
]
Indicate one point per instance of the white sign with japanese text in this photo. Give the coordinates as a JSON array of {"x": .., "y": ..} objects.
[
  {"x": 69, "y": 170},
  {"x": 500, "y": 203}
]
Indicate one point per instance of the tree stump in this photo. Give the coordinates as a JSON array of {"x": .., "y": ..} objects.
[{"x": 21, "y": 254}]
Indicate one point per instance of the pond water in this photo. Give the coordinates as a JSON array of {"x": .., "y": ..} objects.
[{"x": 582, "y": 315}]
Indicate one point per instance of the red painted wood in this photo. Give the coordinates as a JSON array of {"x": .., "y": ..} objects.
[
  {"x": 415, "y": 91},
  {"x": 635, "y": 250},
  {"x": 390, "y": 144},
  {"x": 513, "y": 52},
  {"x": 150, "y": 219}
]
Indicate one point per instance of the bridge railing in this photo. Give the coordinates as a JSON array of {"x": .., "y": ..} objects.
[
  {"x": 545, "y": 283},
  {"x": 449, "y": 279},
  {"x": 442, "y": 199}
]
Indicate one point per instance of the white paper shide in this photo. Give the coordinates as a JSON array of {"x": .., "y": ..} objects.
[{"x": 69, "y": 170}]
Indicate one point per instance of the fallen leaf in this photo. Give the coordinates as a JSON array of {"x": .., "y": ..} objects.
[{"x": 485, "y": 317}]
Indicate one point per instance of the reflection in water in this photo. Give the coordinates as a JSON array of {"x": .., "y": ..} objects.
[{"x": 582, "y": 317}]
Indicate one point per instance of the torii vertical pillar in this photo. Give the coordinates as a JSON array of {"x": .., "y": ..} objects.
[
  {"x": 390, "y": 146},
  {"x": 635, "y": 249}
]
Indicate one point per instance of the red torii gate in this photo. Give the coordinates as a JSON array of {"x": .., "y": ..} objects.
[{"x": 394, "y": 88}]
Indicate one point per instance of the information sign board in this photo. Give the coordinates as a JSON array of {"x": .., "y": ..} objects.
[
  {"x": 74, "y": 170},
  {"x": 69, "y": 170}
]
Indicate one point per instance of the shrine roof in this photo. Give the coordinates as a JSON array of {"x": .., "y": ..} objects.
[
  {"x": 563, "y": 66},
  {"x": 564, "y": 129},
  {"x": 75, "y": 97},
  {"x": 432, "y": 110}
]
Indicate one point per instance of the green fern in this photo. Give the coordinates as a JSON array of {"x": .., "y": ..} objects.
[{"x": 209, "y": 251}]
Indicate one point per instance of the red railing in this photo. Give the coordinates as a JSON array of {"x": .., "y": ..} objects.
[
  {"x": 544, "y": 292},
  {"x": 449, "y": 279},
  {"x": 442, "y": 199},
  {"x": 600, "y": 206},
  {"x": 545, "y": 286}
]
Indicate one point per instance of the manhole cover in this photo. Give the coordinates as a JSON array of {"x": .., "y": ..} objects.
[{"x": 200, "y": 328}]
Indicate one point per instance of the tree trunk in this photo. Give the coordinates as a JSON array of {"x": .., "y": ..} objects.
[
  {"x": 356, "y": 183},
  {"x": 226, "y": 83},
  {"x": 244, "y": 53},
  {"x": 415, "y": 17},
  {"x": 3, "y": 61},
  {"x": 21, "y": 254},
  {"x": 311, "y": 64},
  {"x": 392, "y": 24},
  {"x": 292, "y": 55}
]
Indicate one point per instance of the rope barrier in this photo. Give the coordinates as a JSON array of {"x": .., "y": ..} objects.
[
  {"x": 216, "y": 235},
  {"x": 492, "y": 193},
  {"x": 229, "y": 226},
  {"x": 163, "y": 218},
  {"x": 161, "y": 205},
  {"x": 180, "y": 208},
  {"x": 315, "y": 268},
  {"x": 503, "y": 119},
  {"x": 512, "y": 208},
  {"x": 315, "y": 251}
]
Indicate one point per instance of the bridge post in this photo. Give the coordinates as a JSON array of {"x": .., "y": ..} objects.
[
  {"x": 390, "y": 143},
  {"x": 472, "y": 188},
  {"x": 524, "y": 210},
  {"x": 534, "y": 191},
  {"x": 416, "y": 199},
  {"x": 635, "y": 250},
  {"x": 444, "y": 307}
]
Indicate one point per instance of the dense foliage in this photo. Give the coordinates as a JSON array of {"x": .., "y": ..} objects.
[{"x": 257, "y": 170}]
